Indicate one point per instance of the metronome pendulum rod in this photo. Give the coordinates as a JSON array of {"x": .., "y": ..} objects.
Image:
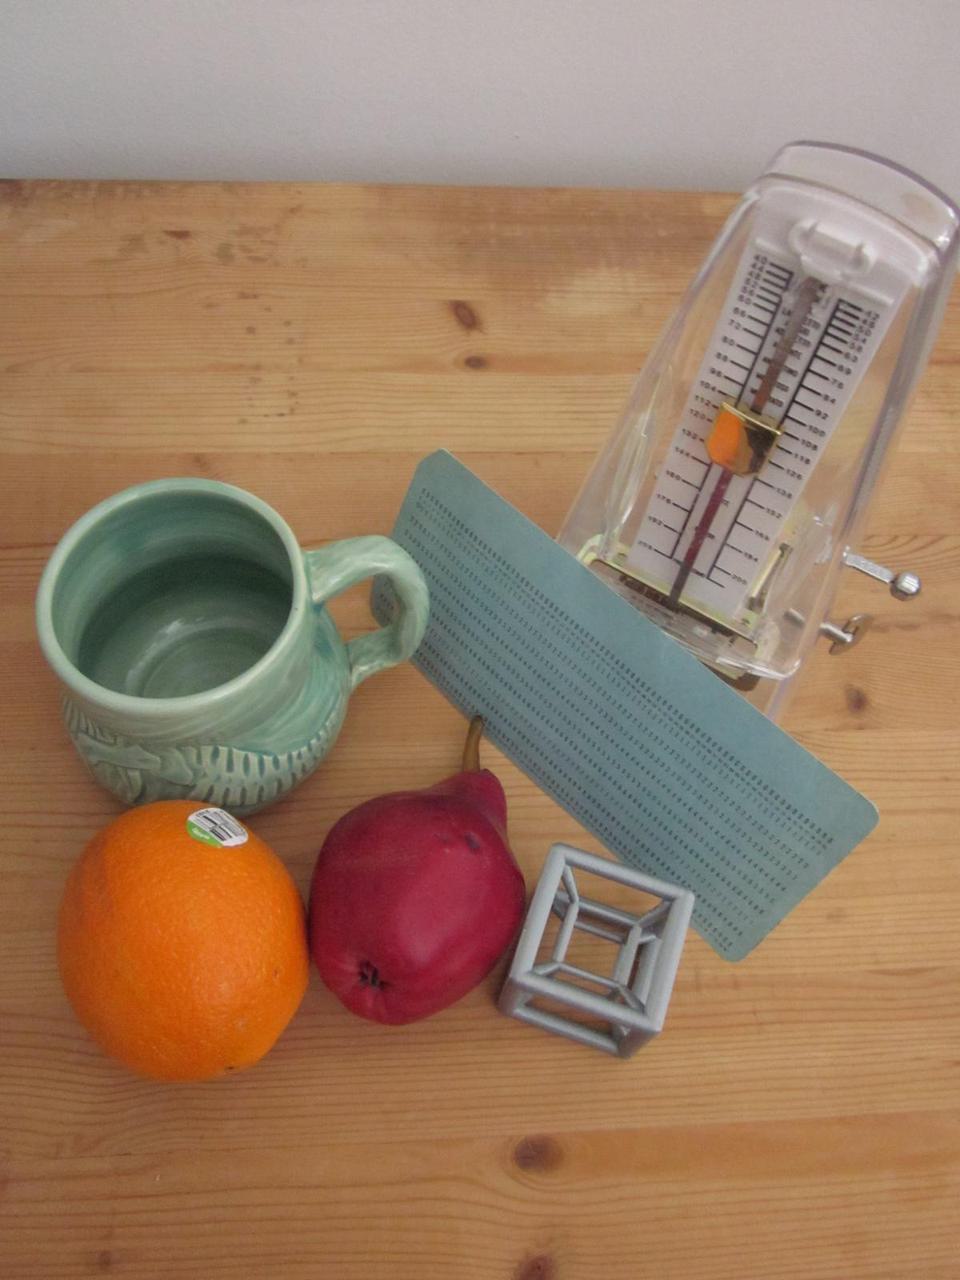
[{"x": 761, "y": 442}]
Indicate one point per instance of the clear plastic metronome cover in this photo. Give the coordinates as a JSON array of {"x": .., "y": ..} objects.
[{"x": 744, "y": 460}]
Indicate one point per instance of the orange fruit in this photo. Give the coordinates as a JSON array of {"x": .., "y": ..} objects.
[{"x": 183, "y": 957}]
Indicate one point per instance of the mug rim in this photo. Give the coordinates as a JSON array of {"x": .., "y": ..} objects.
[{"x": 99, "y": 695}]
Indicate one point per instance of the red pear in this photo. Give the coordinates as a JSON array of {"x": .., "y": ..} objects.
[{"x": 416, "y": 895}]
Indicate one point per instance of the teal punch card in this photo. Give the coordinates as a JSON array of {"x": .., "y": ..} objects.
[{"x": 672, "y": 770}]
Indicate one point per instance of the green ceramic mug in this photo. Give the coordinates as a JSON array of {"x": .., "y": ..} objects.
[{"x": 188, "y": 629}]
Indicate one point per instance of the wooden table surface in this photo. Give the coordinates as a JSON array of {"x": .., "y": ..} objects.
[{"x": 799, "y": 1116}]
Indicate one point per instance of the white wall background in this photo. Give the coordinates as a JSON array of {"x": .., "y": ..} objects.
[{"x": 667, "y": 93}]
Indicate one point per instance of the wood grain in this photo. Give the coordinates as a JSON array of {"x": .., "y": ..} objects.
[{"x": 799, "y": 1117}]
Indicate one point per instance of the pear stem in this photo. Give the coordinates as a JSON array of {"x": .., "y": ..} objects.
[{"x": 471, "y": 748}]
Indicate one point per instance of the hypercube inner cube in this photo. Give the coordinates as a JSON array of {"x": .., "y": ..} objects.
[{"x": 631, "y": 1003}]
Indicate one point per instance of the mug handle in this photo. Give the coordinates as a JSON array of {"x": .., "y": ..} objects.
[{"x": 333, "y": 569}]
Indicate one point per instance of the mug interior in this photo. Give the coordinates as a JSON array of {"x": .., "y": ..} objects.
[{"x": 172, "y": 594}]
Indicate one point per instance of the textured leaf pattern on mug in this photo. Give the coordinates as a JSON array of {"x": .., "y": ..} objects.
[{"x": 235, "y": 778}]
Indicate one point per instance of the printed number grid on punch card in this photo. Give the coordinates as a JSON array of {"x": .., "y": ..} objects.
[{"x": 668, "y": 767}]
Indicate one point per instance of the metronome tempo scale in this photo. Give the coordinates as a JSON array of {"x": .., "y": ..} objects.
[{"x": 725, "y": 503}]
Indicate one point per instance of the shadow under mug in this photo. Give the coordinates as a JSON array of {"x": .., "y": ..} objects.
[{"x": 188, "y": 629}]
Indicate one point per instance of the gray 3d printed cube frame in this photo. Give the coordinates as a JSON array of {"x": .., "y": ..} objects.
[{"x": 649, "y": 947}]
